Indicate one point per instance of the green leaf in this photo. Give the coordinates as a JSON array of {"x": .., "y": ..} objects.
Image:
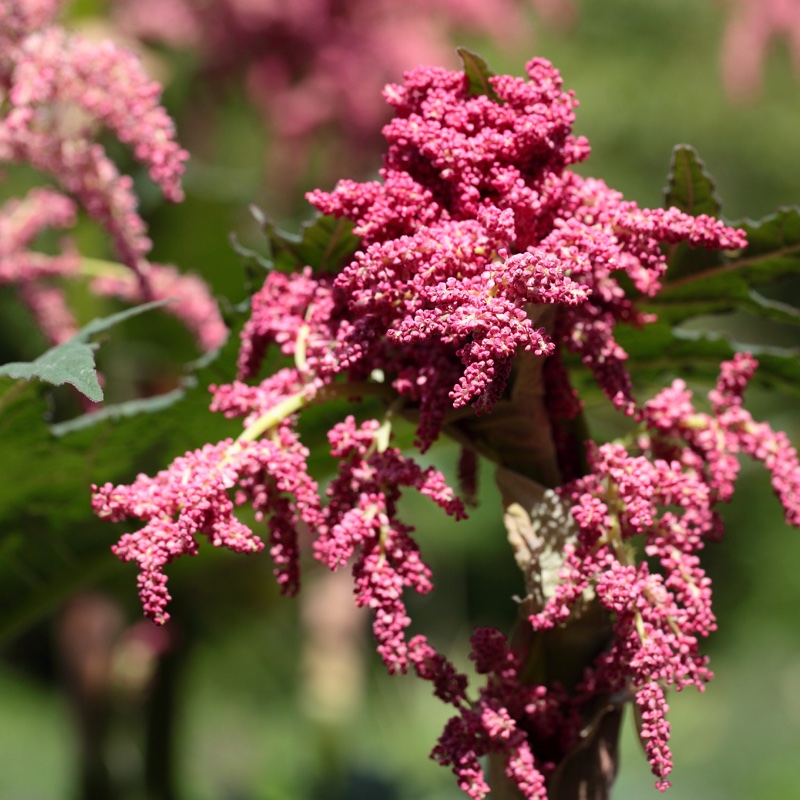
[
  {"x": 478, "y": 74},
  {"x": 773, "y": 242},
  {"x": 50, "y": 542},
  {"x": 690, "y": 188},
  {"x": 658, "y": 352},
  {"x": 324, "y": 243},
  {"x": 103, "y": 324},
  {"x": 73, "y": 361},
  {"x": 120, "y": 411},
  {"x": 708, "y": 282}
]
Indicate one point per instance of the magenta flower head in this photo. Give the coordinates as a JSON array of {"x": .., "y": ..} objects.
[
  {"x": 484, "y": 267},
  {"x": 478, "y": 219},
  {"x": 177, "y": 505}
]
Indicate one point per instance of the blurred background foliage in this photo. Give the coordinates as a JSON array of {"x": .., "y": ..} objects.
[{"x": 247, "y": 728}]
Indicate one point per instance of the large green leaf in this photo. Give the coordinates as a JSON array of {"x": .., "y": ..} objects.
[
  {"x": 701, "y": 282},
  {"x": 773, "y": 247},
  {"x": 50, "y": 543},
  {"x": 73, "y": 361},
  {"x": 714, "y": 283},
  {"x": 659, "y": 351},
  {"x": 772, "y": 254},
  {"x": 720, "y": 295}
]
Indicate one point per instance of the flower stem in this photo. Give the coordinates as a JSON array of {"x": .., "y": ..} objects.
[{"x": 99, "y": 268}]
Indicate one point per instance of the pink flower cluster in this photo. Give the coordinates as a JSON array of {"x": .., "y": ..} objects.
[
  {"x": 362, "y": 517},
  {"x": 660, "y": 503},
  {"x": 477, "y": 217},
  {"x": 752, "y": 28},
  {"x": 476, "y": 231},
  {"x": 197, "y": 496},
  {"x": 657, "y": 503},
  {"x": 192, "y": 499},
  {"x": 57, "y": 91},
  {"x": 314, "y": 68},
  {"x": 531, "y": 726}
]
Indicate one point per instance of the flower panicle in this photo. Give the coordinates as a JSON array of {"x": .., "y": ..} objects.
[
  {"x": 477, "y": 244},
  {"x": 361, "y": 520},
  {"x": 57, "y": 91},
  {"x": 664, "y": 496},
  {"x": 60, "y": 88},
  {"x": 506, "y": 719},
  {"x": 478, "y": 219},
  {"x": 198, "y": 494}
]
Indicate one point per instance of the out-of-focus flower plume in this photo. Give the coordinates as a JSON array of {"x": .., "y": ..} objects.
[{"x": 58, "y": 92}]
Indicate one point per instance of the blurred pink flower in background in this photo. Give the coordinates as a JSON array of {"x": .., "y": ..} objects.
[
  {"x": 753, "y": 26},
  {"x": 58, "y": 92},
  {"x": 315, "y": 68}
]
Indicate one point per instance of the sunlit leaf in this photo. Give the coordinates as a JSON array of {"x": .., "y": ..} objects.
[
  {"x": 659, "y": 351},
  {"x": 73, "y": 361},
  {"x": 701, "y": 282}
]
